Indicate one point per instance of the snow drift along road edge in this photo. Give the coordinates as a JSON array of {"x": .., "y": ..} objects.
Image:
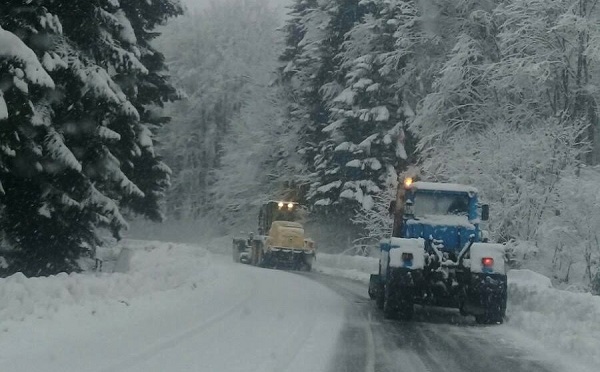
[{"x": 155, "y": 271}]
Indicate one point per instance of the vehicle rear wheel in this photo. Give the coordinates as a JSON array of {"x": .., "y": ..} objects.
[
  {"x": 395, "y": 304},
  {"x": 389, "y": 304},
  {"x": 308, "y": 261},
  {"x": 235, "y": 253},
  {"x": 260, "y": 257},
  {"x": 398, "y": 303},
  {"x": 405, "y": 305},
  {"x": 494, "y": 310},
  {"x": 488, "y": 319},
  {"x": 379, "y": 300}
]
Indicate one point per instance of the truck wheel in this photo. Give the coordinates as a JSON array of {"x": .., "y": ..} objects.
[
  {"x": 307, "y": 266},
  {"x": 389, "y": 303},
  {"x": 489, "y": 319},
  {"x": 494, "y": 310},
  {"x": 398, "y": 304},
  {"x": 380, "y": 300},
  {"x": 406, "y": 308},
  {"x": 260, "y": 259},
  {"x": 236, "y": 254},
  {"x": 307, "y": 262}
]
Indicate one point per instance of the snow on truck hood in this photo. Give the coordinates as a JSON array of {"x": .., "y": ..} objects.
[
  {"x": 443, "y": 220},
  {"x": 446, "y": 187},
  {"x": 294, "y": 225}
]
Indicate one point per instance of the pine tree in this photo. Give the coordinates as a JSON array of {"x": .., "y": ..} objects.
[
  {"x": 306, "y": 66},
  {"x": 80, "y": 145},
  {"x": 365, "y": 147},
  {"x": 315, "y": 32}
]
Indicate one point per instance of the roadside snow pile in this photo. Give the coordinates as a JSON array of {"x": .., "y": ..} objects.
[
  {"x": 220, "y": 244},
  {"x": 566, "y": 320},
  {"x": 153, "y": 267},
  {"x": 351, "y": 267}
]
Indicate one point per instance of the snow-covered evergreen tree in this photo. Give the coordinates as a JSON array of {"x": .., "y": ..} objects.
[
  {"x": 77, "y": 83},
  {"x": 366, "y": 137},
  {"x": 315, "y": 33},
  {"x": 306, "y": 66}
]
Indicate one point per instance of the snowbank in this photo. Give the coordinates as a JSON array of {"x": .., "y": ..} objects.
[
  {"x": 152, "y": 268},
  {"x": 560, "y": 319},
  {"x": 565, "y": 320},
  {"x": 351, "y": 267}
]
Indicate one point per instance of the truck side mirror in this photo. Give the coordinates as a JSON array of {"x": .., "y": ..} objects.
[{"x": 485, "y": 212}]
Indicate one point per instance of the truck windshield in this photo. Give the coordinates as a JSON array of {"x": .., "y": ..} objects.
[{"x": 440, "y": 204}]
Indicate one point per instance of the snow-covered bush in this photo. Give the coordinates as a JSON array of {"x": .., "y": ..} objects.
[
  {"x": 377, "y": 221},
  {"x": 517, "y": 172},
  {"x": 571, "y": 233},
  {"x": 596, "y": 284},
  {"x": 153, "y": 267}
]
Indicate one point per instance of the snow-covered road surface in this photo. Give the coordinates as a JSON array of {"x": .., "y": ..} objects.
[
  {"x": 179, "y": 308},
  {"x": 264, "y": 321},
  {"x": 241, "y": 318}
]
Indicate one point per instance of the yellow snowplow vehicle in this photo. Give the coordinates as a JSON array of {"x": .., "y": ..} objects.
[{"x": 281, "y": 241}]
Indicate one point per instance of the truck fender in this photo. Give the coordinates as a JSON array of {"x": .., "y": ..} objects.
[
  {"x": 407, "y": 253},
  {"x": 497, "y": 252}
]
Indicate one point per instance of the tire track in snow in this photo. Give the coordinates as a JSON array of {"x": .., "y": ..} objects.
[
  {"x": 370, "y": 362},
  {"x": 171, "y": 342},
  {"x": 303, "y": 339},
  {"x": 290, "y": 351},
  {"x": 359, "y": 355}
]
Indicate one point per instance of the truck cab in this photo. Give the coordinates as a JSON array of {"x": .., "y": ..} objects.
[{"x": 444, "y": 213}]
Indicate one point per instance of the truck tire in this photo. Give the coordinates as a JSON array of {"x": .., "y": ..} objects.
[
  {"x": 398, "y": 303},
  {"x": 389, "y": 303},
  {"x": 405, "y": 303},
  {"x": 307, "y": 262},
  {"x": 235, "y": 254},
  {"x": 493, "y": 311},
  {"x": 489, "y": 319},
  {"x": 260, "y": 258},
  {"x": 380, "y": 300}
]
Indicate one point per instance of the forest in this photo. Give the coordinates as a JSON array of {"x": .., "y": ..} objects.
[
  {"x": 200, "y": 119},
  {"x": 334, "y": 106}
]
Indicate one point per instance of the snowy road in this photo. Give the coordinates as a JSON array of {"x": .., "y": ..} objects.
[
  {"x": 267, "y": 321},
  {"x": 179, "y": 308},
  {"x": 241, "y": 319},
  {"x": 439, "y": 340}
]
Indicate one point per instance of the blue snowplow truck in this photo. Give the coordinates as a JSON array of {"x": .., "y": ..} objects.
[{"x": 438, "y": 257}]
